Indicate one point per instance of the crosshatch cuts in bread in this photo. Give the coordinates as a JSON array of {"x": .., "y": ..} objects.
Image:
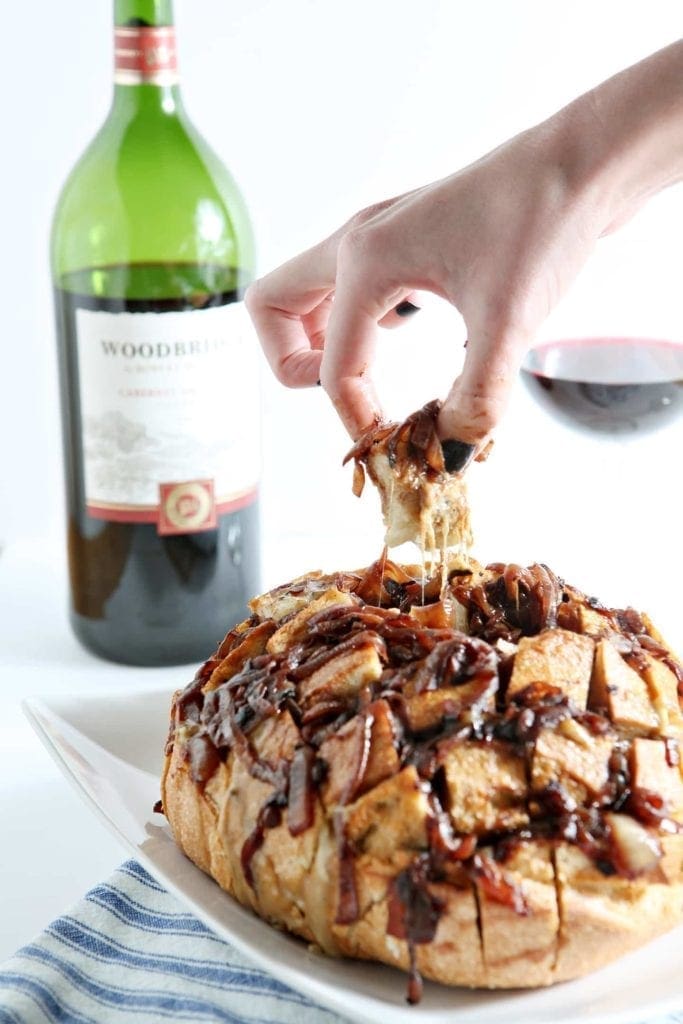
[{"x": 478, "y": 784}]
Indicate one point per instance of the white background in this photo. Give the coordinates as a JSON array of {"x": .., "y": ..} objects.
[{"x": 319, "y": 107}]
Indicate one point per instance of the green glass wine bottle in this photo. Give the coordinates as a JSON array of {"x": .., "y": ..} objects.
[{"x": 151, "y": 252}]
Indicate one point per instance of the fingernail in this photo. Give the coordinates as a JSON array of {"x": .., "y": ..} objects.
[
  {"x": 406, "y": 308},
  {"x": 457, "y": 455}
]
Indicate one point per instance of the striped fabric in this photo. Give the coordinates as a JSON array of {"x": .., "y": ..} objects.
[{"x": 129, "y": 953}]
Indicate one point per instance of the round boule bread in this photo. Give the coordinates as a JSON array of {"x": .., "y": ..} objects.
[{"x": 479, "y": 783}]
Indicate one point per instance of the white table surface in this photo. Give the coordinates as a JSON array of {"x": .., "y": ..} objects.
[{"x": 545, "y": 504}]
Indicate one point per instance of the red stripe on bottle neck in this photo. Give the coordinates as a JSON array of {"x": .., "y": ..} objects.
[{"x": 145, "y": 55}]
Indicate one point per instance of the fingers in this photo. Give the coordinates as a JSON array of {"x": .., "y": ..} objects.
[
  {"x": 345, "y": 368},
  {"x": 317, "y": 316},
  {"x": 478, "y": 399},
  {"x": 289, "y": 308},
  {"x": 364, "y": 297}
]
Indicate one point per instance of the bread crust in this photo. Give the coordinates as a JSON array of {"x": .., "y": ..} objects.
[{"x": 512, "y": 903}]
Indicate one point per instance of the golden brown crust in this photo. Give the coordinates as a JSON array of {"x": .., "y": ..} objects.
[
  {"x": 496, "y": 810},
  {"x": 605, "y": 918}
]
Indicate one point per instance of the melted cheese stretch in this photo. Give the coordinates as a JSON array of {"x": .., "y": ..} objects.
[
  {"x": 421, "y": 502},
  {"x": 434, "y": 515}
]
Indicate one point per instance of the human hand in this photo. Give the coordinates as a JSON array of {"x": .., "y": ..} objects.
[{"x": 501, "y": 240}]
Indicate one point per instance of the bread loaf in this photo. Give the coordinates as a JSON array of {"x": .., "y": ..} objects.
[{"x": 479, "y": 784}]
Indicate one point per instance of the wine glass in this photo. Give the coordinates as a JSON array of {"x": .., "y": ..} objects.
[
  {"x": 612, "y": 465},
  {"x": 610, "y": 386}
]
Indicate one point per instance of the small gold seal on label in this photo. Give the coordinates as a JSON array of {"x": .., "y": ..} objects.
[{"x": 186, "y": 507}]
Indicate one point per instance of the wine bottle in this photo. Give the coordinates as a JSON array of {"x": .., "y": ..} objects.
[{"x": 151, "y": 252}]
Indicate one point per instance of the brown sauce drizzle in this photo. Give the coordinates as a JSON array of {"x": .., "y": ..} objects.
[
  {"x": 495, "y": 884},
  {"x": 269, "y": 816},
  {"x": 301, "y": 796},
  {"x": 418, "y": 661},
  {"x": 414, "y": 442},
  {"x": 347, "y": 896},
  {"x": 651, "y": 809},
  {"x": 203, "y": 757},
  {"x": 414, "y": 914}
]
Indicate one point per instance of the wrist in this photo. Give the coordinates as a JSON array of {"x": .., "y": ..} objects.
[{"x": 622, "y": 142}]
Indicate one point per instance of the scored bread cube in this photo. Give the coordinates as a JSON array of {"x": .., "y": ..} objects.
[
  {"x": 592, "y": 623},
  {"x": 593, "y": 908},
  {"x": 343, "y": 676},
  {"x": 487, "y": 788},
  {"x": 556, "y": 656},
  {"x": 671, "y": 863},
  {"x": 650, "y": 770},
  {"x": 294, "y": 629},
  {"x": 448, "y": 613},
  {"x": 517, "y": 945},
  {"x": 283, "y": 601},
  {"x": 343, "y": 753},
  {"x": 663, "y": 689},
  {"x": 620, "y": 691},
  {"x": 427, "y": 709},
  {"x": 601, "y": 916},
  {"x": 575, "y": 758},
  {"x": 383, "y": 759},
  {"x": 390, "y": 817},
  {"x": 254, "y": 643},
  {"x": 455, "y": 953}
]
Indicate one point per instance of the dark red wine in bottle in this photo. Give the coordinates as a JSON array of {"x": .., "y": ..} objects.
[{"x": 151, "y": 252}]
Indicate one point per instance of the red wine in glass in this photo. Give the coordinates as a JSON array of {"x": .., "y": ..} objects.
[{"x": 624, "y": 386}]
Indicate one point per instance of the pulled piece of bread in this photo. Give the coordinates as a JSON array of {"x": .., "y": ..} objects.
[
  {"x": 480, "y": 785},
  {"x": 420, "y": 501}
]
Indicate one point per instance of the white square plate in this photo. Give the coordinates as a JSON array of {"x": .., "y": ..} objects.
[{"x": 111, "y": 747}]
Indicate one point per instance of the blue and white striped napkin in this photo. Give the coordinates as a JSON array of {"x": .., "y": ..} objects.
[{"x": 128, "y": 952}]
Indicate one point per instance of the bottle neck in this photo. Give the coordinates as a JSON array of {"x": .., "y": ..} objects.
[{"x": 145, "y": 60}]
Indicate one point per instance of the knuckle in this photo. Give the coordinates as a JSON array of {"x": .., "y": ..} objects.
[
  {"x": 368, "y": 212},
  {"x": 359, "y": 244},
  {"x": 352, "y": 244}
]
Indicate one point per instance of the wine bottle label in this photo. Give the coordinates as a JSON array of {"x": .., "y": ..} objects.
[
  {"x": 145, "y": 55},
  {"x": 169, "y": 415}
]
